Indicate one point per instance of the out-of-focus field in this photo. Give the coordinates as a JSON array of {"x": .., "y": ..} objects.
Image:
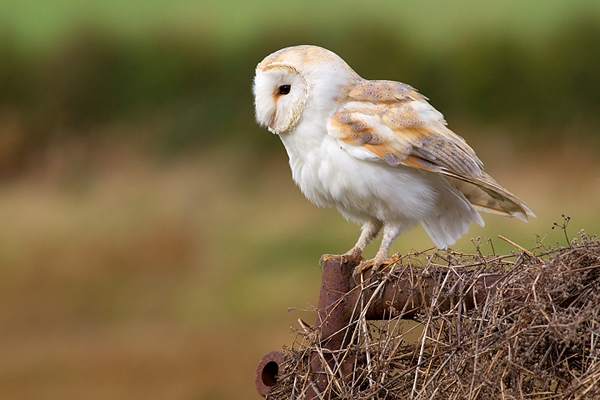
[
  {"x": 151, "y": 237},
  {"x": 172, "y": 280},
  {"x": 432, "y": 23}
]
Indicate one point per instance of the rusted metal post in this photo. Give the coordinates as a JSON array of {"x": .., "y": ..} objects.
[
  {"x": 267, "y": 371},
  {"x": 334, "y": 313},
  {"x": 338, "y": 299}
]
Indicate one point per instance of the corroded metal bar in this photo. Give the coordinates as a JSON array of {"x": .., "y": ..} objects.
[
  {"x": 267, "y": 371},
  {"x": 338, "y": 299}
]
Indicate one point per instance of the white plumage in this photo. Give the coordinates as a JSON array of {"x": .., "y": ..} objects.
[{"x": 375, "y": 150}]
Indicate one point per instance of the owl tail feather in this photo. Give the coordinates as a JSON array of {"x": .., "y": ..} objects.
[{"x": 452, "y": 217}]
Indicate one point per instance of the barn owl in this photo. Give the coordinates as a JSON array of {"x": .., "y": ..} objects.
[{"x": 374, "y": 149}]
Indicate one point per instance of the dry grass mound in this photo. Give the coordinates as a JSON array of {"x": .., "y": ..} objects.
[{"x": 536, "y": 336}]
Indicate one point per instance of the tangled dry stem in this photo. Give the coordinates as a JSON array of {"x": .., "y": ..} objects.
[{"x": 535, "y": 337}]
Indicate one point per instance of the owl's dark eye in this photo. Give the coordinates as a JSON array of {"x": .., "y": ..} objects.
[{"x": 285, "y": 89}]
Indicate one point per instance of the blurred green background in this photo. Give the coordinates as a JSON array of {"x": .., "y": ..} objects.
[{"x": 151, "y": 238}]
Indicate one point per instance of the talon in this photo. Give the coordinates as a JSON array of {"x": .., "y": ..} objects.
[
  {"x": 375, "y": 264},
  {"x": 363, "y": 266},
  {"x": 353, "y": 255},
  {"x": 390, "y": 260},
  {"x": 328, "y": 257}
]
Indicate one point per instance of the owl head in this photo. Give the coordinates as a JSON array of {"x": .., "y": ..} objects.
[{"x": 296, "y": 81}]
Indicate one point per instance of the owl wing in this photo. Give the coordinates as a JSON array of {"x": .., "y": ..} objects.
[{"x": 390, "y": 122}]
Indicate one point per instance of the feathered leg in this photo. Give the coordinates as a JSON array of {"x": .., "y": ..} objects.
[
  {"x": 390, "y": 233},
  {"x": 368, "y": 232}
]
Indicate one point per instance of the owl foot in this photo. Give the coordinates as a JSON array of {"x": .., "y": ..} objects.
[
  {"x": 328, "y": 257},
  {"x": 354, "y": 255},
  {"x": 375, "y": 263}
]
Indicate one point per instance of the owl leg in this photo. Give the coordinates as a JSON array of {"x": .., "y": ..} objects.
[
  {"x": 368, "y": 232},
  {"x": 390, "y": 233}
]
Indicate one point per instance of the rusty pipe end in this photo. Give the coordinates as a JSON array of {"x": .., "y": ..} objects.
[{"x": 267, "y": 372}]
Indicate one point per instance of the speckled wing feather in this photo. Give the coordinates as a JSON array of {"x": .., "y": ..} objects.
[{"x": 391, "y": 122}]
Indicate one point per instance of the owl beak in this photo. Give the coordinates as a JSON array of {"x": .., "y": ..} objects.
[{"x": 271, "y": 124}]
